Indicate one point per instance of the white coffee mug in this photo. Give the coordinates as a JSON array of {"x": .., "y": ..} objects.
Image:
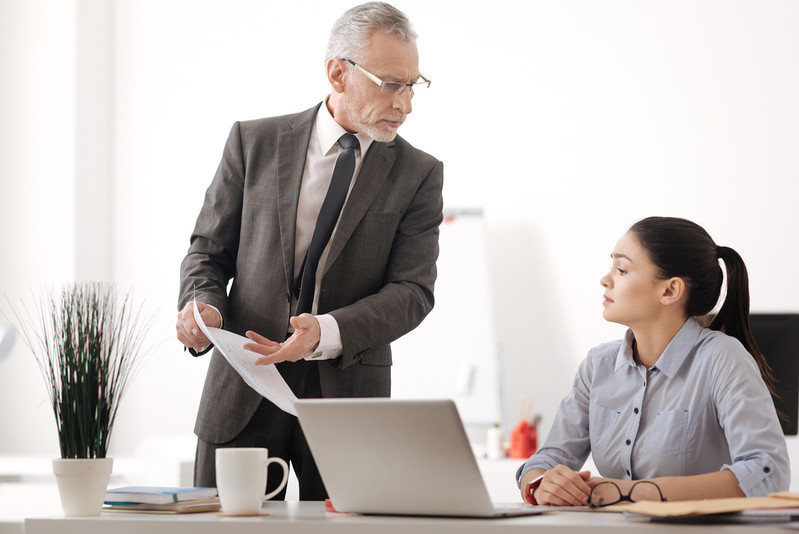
[{"x": 241, "y": 479}]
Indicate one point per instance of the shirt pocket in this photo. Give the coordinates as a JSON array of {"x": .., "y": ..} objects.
[
  {"x": 667, "y": 433},
  {"x": 601, "y": 426}
]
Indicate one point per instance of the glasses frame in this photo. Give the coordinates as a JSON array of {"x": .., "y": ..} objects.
[
  {"x": 622, "y": 496},
  {"x": 383, "y": 85}
]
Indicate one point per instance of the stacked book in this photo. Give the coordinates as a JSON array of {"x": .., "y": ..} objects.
[{"x": 158, "y": 499}]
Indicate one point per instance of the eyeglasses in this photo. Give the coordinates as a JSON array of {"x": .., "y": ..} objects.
[
  {"x": 607, "y": 493},
  {"x": 390, "y": 88}
]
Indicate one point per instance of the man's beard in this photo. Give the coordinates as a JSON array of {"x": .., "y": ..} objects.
[{"x": 367, "y": 127}]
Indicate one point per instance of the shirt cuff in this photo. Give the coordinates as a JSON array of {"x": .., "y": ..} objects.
[
  {"x": 753, "y": 478},
  {"x": 529, "y": 465},
  {"x": 329, "y": 339}
]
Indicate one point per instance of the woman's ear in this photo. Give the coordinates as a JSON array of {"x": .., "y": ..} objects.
[
  {"x": 673, "y": 291},
  {"x": 335, "y": 74}
]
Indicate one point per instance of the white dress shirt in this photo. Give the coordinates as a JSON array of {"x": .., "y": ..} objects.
[
  {"x": 704, "y": 408},
  {"x": 323, "y": 150}
]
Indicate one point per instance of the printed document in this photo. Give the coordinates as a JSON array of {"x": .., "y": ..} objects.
[{"x": 265, "y": 379}]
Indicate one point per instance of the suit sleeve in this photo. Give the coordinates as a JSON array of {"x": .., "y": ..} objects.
[
  {"x": 406, "y": 296},
  {"x": 210, "y": 261}
]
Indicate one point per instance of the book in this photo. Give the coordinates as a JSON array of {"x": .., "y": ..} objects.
[
  {"x": 180, "y": 507},
  {"x": 156, "y": 494}
]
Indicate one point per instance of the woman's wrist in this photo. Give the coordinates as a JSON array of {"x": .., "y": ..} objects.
[{"x": 529, "y": 489}]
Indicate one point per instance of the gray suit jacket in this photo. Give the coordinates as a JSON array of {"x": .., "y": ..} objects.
[{"x": 377, "y": 282}]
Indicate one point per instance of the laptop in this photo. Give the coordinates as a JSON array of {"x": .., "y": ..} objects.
[{"x": 398, "y": 457}]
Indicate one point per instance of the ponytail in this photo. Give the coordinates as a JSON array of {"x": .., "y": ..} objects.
[{"x": 733, "y": 317}]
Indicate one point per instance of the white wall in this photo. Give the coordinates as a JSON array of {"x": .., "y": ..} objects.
[
  {"x": 37, "y": 180},
  {"x": 564, "y": 120}
]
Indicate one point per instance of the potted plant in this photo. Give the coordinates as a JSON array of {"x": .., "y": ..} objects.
[{"x": 86, "y": 340}]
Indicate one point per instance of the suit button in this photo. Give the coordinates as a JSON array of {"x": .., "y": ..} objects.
[{"x": 288, "y": 297}]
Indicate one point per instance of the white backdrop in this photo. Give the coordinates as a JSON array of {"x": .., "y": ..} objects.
[
  {"x": 454, "y": 353},
  {"x": 564, "y": 121}
]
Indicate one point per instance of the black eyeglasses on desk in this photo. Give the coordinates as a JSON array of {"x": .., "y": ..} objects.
[{"x": 607, "y": 493}]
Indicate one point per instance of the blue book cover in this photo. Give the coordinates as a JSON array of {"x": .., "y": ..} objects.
[{"x": 156, "y": 494}]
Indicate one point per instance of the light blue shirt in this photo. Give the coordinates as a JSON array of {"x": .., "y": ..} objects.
[{"x": 704, "y": 408}]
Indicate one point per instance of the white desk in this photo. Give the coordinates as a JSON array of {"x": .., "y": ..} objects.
[
  {"x": 27, "y": 485},
  {"x": 21, "y": 500},
  {"x": 310, "y": 517}
]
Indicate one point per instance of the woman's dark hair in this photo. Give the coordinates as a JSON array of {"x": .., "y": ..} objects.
[{"x": 683, "y": 249}]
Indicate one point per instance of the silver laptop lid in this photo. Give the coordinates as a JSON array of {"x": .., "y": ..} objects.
[{"x": 386, "y": 456}]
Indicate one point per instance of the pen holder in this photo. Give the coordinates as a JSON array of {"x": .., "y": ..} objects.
[{"x": 523, "y": 440}]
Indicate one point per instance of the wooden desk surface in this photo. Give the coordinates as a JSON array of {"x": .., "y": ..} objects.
[{"x": 310, "y": 517}]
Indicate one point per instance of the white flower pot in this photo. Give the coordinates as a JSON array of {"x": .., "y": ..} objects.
[{"x": 82, "y": 483}]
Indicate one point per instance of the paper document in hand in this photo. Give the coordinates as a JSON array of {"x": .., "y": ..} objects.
[{"x": 265, "y": 379}]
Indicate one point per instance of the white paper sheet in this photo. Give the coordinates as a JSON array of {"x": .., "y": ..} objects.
[{"x": 265, "y": 379}]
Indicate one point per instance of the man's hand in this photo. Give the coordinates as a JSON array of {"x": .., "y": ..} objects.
[
  {"x": 302, "y": 342},
  {"x": 561, "y": 487},
  {"x": 188, "y": 330}
]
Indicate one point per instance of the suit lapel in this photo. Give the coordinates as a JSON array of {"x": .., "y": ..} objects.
[
  {"x": 292, "y": 148},
  {"x": 374, "y": 172}
]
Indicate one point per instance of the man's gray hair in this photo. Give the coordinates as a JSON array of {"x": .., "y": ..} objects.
[{"x": 351, "y": 31}]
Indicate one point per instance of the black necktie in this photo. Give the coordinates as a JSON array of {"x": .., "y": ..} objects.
[{"x": 328, "y": 216}]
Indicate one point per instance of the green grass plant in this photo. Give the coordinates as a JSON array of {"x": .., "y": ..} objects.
[{"x": 87, "y": 341}]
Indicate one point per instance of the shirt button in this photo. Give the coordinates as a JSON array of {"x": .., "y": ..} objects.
[
  {"x": 628, "y": 472},
  {"x": 628, "y": 442},
  {"x": 635, "y": 410},
  {"x": 767, "y": 469}
]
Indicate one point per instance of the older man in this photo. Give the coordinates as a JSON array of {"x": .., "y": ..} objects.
[{"x": 321, "y": 289}]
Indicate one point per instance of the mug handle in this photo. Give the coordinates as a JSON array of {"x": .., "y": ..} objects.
[{"x": 282, "y": 484}]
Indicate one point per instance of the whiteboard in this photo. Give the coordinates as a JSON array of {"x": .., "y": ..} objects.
[{"x": 453, "y": 353}]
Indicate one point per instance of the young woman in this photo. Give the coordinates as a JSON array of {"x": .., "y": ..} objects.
[{"x": 685, "y": 407}]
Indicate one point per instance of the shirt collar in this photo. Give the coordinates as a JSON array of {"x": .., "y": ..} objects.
[
  {"x": 328, "y": 132},
  {"x": 678, "y": 349}
]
